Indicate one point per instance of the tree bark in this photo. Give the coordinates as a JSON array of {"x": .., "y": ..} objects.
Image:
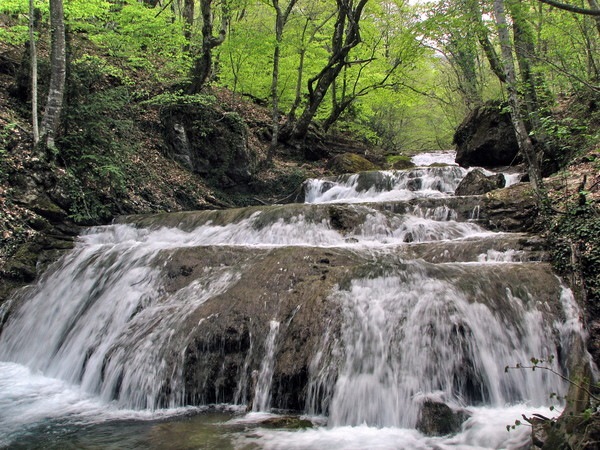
[
  {"x": 484, "y": 40},
  {"x": 281, "y": 18},
  {"x": 594, "y": 5},
  {"x": 58, "y": 69},
  {"x": 34, "y": 75},
  {"x": 203, "y": 64},
  {"x": 188, "y": 19},
  {"x": 524, "y": 141},
  {"x": 571, "y": 8}
]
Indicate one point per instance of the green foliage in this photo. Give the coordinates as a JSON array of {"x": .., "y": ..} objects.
[
  {"x": 179, "y": 98},
  {"x": 94, "y": 148},
  {"x": 575, "y": 244},
  {"x": 146, "y": 40}
]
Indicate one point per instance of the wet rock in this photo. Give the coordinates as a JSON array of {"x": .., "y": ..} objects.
[
  {"x": 344, "y": 219},
  {"x": 349, "y": 163},
  {"x": 402, "y": 162},
  {"x": 486, "y": 138},
  {"x": 477, "y": 183},
  {"x": 438, "y": 419},
  {"x": 286, "y": 422},
  {"x": 510, "y": 209}
]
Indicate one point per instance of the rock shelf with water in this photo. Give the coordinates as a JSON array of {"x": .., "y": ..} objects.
[{"x": 378, "y": 296}]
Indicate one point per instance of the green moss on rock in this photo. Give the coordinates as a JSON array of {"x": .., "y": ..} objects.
[{"x": 350, "y": 163}]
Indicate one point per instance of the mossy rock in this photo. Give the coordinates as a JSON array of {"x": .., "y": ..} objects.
[
  {"x": 350, "y": 163},
  {"x": 286, "y": 422},
  {"x": 400, "y": 162}
]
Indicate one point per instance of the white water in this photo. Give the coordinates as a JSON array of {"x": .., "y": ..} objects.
[
  {"x": 96, "y": 340},
  {"x": 389, "y": 185},
  {"x": 484, "y": 430},
  {"x": 262, "y": 392},
  {"x": 412, "y": 335},
  {"x": 439, "y": 157},
  {"x": 102, "y": 322}
]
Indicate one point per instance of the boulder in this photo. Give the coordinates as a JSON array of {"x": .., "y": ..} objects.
[
  {"x": 438, "y": 419},
  {"x": 401, "y": 162},
  {"x": 486, "y": 138},
  {"x": 286, "y": 422},
  {"x": 477, "y": 183},
  {"x": 209, "y": 142},
  {"x": 511, "y": 209},
  {"x": 349, "y": 163}
]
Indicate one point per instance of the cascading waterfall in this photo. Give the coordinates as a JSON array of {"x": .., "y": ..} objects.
[
  {"x": 385, "y": 185},
  {"x": 410, "y": 334},
  {"x": 345, "y": 310},
  {"x": 103, "y": 323},
  {"x": 262, "y": 391}
]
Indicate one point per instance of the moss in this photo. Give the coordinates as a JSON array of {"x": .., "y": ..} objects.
[
  {"x": 350, "y": 163},
  {"x": 400, "y": 162}
]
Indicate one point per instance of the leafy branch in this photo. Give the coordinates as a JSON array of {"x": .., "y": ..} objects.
[{"x": 535, "y": 364}]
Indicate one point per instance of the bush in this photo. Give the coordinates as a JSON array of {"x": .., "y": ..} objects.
[{"x": 94, "y": 151}]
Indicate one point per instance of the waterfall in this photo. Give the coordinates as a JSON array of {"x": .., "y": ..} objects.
[
  {"x": 346, "y": 307},
  {"x": 262, "y": 391},
  {"x": 385, "y": 185},
  {"x": 409, "y": 335},
  {"x": 101, "y": 321}
]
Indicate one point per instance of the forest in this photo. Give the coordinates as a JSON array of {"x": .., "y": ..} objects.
[
  {"x": 123, "y": 107},
  {"x": 401, "y": 76}
]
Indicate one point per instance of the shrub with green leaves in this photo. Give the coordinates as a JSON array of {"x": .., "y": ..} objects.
[{"x": 94, "y": 150}]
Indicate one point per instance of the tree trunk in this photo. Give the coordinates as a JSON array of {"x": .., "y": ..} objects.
[
  {"x": 58, "y": 68},
  {"x": 346, "y": 37},
  {"x": 203, "y": 64},
  {"x": 484, "y": 40},
  {"x": 525, "y": 53},
  {"x": 516, "y": 113},
  {"x": 188, "y": 19},
  {"x": 34, "y": 74},
  {"x": 594, "y": 5},
  {"x": 281, "y": 19}
]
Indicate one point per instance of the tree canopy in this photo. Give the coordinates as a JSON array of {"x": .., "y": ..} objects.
[{"x": 402, "y": 75}]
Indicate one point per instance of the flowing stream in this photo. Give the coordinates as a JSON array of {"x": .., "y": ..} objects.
[{"x": 358, "y": 310}]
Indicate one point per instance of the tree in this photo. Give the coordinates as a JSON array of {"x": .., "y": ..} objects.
[
  {"x": 203, "y": 63},
  {"x": 575, "y": 9},
  {"x": 387, "y": 44},
  {"x": 516, "y": 108},
  {"x": 34, "y": 74},
  {"x": 281, "y": 18},
  {"x": 346, "y": 36},
  {"x": 58, "y": 70},
  {"x": 188, "y": 17},
  {"x": 310, "y": 29}
]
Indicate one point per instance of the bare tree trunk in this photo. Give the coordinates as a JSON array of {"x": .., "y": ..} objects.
[
  {"x": 203, "y": 64},
  {"x": 34, "y": 75},
  {"x": 58, "y": 69},
  {"x": 281, "y": 18},
  {"x": 525, "y": 145},
  {"x": 188, "y": 22}
]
